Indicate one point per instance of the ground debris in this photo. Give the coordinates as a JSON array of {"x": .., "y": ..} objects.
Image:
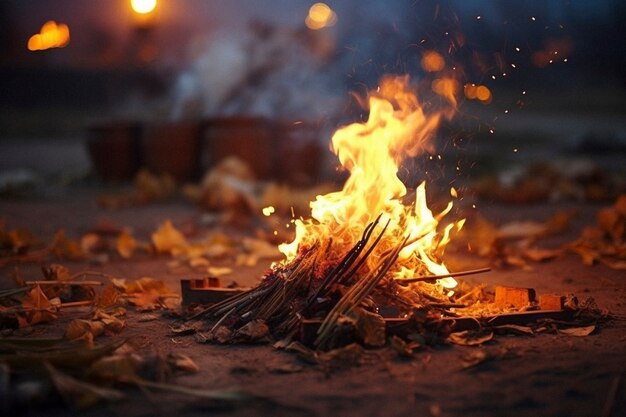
[{"x": 606, "y": 242}]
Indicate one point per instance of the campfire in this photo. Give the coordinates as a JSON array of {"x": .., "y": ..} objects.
[{"x": 365, "y": 251}]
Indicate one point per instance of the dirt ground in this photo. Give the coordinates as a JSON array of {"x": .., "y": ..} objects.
[{"x": 542, "y": 375}]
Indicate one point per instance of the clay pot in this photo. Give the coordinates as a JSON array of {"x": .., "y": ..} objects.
[
  {"x": 172, "y": 148},
  {"x": 299, "y": 153},
  {"x": 113, "y": 149},
  {"x": 248, "y": 138}
]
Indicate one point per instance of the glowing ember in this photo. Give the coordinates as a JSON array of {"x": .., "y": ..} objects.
[{"x": 372, "y": 152}]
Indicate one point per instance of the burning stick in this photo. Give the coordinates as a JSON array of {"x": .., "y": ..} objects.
[
  {"x": 56, "y": 282},
  {"x": 436, "y": 277}
]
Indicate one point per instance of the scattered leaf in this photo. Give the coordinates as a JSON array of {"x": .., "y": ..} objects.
[
  {"x": 183, "y": 362},
  {"x": 470, "y": 338},
  {"x": 341, "y": 358},
  {"x": 401, "y": 347},
  {"x": 125, "y": 244},
  {"x": 370, "y": 327},
  {"x": 578, "y": 331},
  {"x": 513, "y": 329},
  {"x": 254, "y": 331},
  {"x": 168, "y": 238}
]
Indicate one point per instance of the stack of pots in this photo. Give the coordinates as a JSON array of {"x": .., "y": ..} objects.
[{"x": 287, "y": 152}]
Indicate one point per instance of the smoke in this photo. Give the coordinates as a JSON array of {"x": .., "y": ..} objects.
[{"x": 265, "y": 71}]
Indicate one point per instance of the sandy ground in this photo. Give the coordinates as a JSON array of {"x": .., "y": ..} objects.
[{"x": 544, "y": 375}]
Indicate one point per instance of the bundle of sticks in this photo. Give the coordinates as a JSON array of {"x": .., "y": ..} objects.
[{"x": 309, "y": 287}]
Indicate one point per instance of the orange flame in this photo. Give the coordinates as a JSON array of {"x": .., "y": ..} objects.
[{"x": 397, "y": 128}]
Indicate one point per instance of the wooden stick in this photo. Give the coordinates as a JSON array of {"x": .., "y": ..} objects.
[
  {"x": 434, "y": 277},
  {"x": 56, "y": 282},
  {"x": 76, "y": 304}
]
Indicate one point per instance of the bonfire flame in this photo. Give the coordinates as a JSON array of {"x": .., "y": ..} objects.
[{"x": 373, "y": 152}]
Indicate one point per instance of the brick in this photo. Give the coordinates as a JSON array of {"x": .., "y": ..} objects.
[
  {"x": 551, "y": 302},
  {"x": 514, "y": 296}
]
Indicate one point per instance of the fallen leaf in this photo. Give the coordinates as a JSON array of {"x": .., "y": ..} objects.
[
  {"x": 370, "y": 327},
  {"x": 401, "y": 347},
  {"x": 470, "y": 338},
  {"x": 285, "y": 368},
  {"x": 578, "y": 331},
  {"x": 513, "y": 329},
  {"x": 56, "y": 272},
  {"x": 168, "y": 238},
  {"x": 343, "y": 357},
  {"x": 125, "y": 244},
  {"x": 479, "y": 356},
  {"x": 254, "y": 331},
  {"x": 84, "y": 329},
  {"x": 183, "y": 362}
]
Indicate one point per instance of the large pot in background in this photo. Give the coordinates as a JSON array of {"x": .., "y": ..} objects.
[
  {"x": 113, "y": 147},
  {"x": 251, "y": 139},
  {"x": 287, "y": 152},
  {"x": 299, "y": 154},
  {"x": 172, "y": 148}
]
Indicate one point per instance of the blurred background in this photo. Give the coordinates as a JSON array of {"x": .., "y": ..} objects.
[{"x": 535, "y": 80}]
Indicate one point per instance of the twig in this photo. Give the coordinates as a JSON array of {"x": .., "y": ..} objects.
[
  {"x": 76, "y": 304},
  {"x": 56, "y": 282},
  {"x": 434, "y": 277}
]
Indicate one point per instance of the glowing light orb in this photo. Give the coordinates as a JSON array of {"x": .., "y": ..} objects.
[{"x": 143, "y": 6}]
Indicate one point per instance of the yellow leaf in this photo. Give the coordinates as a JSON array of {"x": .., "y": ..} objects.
[
  {"x": 167, "y": 238},
  {"x": 126, "y": 244}
]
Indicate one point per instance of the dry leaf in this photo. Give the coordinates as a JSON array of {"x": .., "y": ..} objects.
[
  {"x": 168, "y": 238},
  {"x": 578, "y": 331},
  {"x": 370, "y": 327},
  {"x": 183, "y": 362},
  {"x": 479, "y": 356},
  {"x": 254, "y": 331},
  {"x": 108, "y": 298},
  {"x": 84, "y": 329},
  {"x": 56, "y": 272},
  {"x": 343, "y": 357},
  {"x": 470, "y": 338},
  {"x": 125, "y": 244},
  {"x": 401, "y": 347}
]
